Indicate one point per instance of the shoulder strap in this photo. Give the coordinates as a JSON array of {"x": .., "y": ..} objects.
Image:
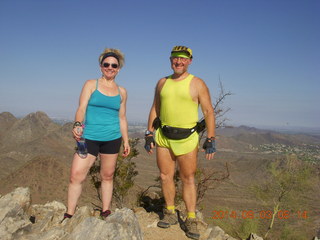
[
  {"x": 120, "y": 93},
  {"x": 97, "y": 83}
]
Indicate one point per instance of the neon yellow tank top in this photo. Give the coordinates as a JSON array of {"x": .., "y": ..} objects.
[{"x": 177, "y": 107}]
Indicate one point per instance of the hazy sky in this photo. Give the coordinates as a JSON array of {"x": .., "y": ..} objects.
[{"x": 266, "y": 52}]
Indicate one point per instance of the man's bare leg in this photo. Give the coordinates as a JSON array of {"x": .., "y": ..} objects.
[
  {"x": 166, "y": 163},
  {"x": 188, "y": 165}
]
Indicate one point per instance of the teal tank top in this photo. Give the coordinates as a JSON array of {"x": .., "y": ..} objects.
[{"x": 102, "y": 117}]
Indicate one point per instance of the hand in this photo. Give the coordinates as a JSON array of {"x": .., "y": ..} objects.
[
  {"x": 209, "y": 146},
  {"x": 150, "y": 143},
  {"x": 77, "y": 132},
  {"x": 126, "y": 149}
]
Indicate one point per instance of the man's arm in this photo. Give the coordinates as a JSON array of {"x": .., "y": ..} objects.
[
  {"x": 154, "y": 112},
  {"x": 207, "y": 110}
]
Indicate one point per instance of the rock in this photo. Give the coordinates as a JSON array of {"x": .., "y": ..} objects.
[
  {"x": 254, "y": 236},
  {"x": 218, "y": 234},
  {"x": 46, "y": 216},
  {"x": 146, "y": 219},
  {"x": 122, "y": 224},
  {"x": 148, "y": 222},
  {"x": 83, "y": 225},
  {"x": 20, "y": 221},
  {"x": 80, "y": 215},
  {"x": 52, "y": 234},
  {"x": 13, "y": 220},
  {"x": 127, "y": 221}
]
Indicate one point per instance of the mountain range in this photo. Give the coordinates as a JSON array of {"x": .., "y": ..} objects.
[{"x": 36, "y": 152}]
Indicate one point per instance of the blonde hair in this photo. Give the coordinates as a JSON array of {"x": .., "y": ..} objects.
[{"x": 117, "y": 52}]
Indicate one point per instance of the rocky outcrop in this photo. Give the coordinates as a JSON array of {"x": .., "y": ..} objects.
[
  {"x": 19, "y": 220},
  {"x": 148, "y": 223},
  {"x": 13, "y": 220},
  {"x": 254, "y": 236}
]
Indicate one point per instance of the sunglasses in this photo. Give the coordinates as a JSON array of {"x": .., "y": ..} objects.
[
  {"x": 175, "y": 59},
  {"x": 113, "y": 65}
]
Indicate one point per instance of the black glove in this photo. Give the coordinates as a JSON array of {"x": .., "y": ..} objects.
[
  {"x": 149, "y": 140},
  {"x": 209, "y": 145}
]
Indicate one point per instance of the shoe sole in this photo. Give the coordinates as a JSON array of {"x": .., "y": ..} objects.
[
  {"x": 193, "y": 235},
  {"x": 165, "y": 225}
]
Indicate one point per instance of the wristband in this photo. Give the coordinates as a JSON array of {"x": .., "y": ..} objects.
[
  {"x": 147, "y": 132},
  {"x": 77, "y": 124}
]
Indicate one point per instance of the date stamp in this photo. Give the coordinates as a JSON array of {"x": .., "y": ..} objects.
[{"x": 262, "y": 214}]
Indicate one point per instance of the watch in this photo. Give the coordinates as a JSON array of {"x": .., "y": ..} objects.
[
  {"x": 77, "y": 124},
  {"x": 147, "y": 132}
]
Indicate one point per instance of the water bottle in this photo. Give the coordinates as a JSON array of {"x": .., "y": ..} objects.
[{"x": 82, "y": 150}]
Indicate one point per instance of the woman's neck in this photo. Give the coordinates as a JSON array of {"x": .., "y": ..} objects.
[{"x": 107, "y": 81}]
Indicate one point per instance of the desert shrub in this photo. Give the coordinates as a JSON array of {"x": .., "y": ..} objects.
[
  {"x": 288, "y": 179},
  {"x": 124, "y": 175},
  {"x": 145, "y": 201},
  {"x": 208, "y": 178},
  {"x": 246, "y": 227},
  {"x": 290, "y": 233},
  {"x": 233, "y": 224}
]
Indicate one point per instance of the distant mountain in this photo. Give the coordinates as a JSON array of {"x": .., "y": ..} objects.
[
  {"x": 37, "y": 152},
  {"x": 29, "y": 128},
  {"x": 40, "y": 174},
  {"x": 32, "y": 136},
  {"x": 6, "y": 122},
  {"x": 233, "y": 131},
  {"x": 243, "y": 136}
]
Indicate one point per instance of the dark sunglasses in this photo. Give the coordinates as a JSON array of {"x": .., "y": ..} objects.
[{"x": 113, "y": 65}]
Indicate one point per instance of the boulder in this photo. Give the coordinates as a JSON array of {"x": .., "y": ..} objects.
[
  {"x": 13, "y": 220},
  {"x": 20, "y": 221}
]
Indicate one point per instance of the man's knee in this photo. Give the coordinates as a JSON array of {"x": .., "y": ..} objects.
[
  {"x": 165, "y": 177},
  {"x": 188, "y": 178}
]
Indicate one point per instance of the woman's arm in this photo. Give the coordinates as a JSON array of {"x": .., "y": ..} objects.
[
  {"x": 124, "y": 123},
  {"x": 86, "y": 92}
]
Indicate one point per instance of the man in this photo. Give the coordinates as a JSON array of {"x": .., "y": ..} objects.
[{"x": 175, "y": 113}]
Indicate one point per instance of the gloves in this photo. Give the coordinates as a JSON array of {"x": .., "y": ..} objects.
[
  {"x": 209, "y": 145},
  {"x": 149, "y": 140}
]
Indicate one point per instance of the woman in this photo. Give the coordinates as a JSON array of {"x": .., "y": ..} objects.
[{"x": 102, "y": 107}]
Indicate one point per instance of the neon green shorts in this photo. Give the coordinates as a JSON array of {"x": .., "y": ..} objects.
[{"x": 178, "y": 147}]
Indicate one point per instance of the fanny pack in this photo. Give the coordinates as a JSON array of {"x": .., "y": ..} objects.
[{"x": 178, "y": 133}]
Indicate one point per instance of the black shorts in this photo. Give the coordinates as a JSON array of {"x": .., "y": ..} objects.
[{"x": 104, "y": 147}]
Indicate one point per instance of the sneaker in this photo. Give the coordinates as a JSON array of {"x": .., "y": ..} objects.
[
  {"x": 105, "y": 214},
  {"x": 169, "y": 218},
  {"x": 66, "y": 216},
  {"x": 191, "y": 228}
]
